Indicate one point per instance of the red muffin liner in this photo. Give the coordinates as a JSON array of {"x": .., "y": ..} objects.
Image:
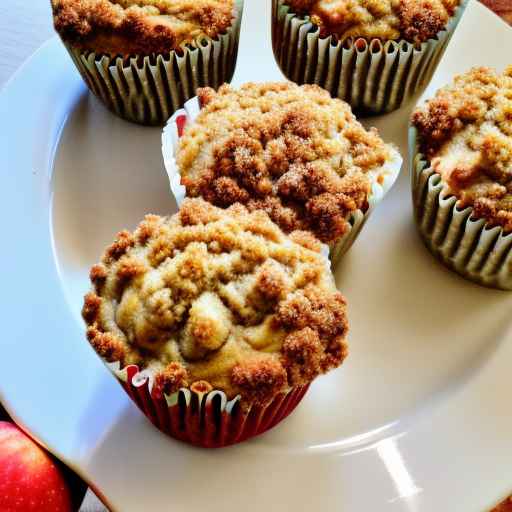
[{"x": 208, "y": 420}]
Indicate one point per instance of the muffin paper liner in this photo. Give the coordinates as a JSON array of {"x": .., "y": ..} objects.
[
  {"x": 208, "y": 420},
  {"x": 466, "y": 245},
  {"x": 382, "y": 181},
  {"x": 148, "y": 89},
  {"x": 373, "y": 76}
]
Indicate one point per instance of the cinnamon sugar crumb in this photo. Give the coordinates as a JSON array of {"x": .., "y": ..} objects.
[
  {"x": 291, "y": 151},
  {"x": 271, "y": 282},
  {"x": 336, "y": 353},
  {"x": 144, "y": 27},
  {"x": 98, "y": 274},
  {"x": 147, "y": 228},
  {"x": 129, "y": 268},
  {"x": 303, "y": 354},
  {"x": 413, "y": 20},
  {"x": 107, "y": 345},
  {"x": 306, "y": 239},
  {"x": 311, "y": 308},
  {"x": 197, "y": 213},
  {"x": 91, "y": 307},
  {"x": 124, "y": 241},
  {"x": 169, "y": 380},
  {"x": 259, "y": 380}
]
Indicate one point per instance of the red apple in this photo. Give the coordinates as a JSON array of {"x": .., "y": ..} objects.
[
  {"x": 501, "y": 7},
  {"x": 29, "y": 478}
]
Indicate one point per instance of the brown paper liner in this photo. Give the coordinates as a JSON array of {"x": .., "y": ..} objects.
[
  {"x": 208, "y": 420},
  {"x": 374, "y": 77},
  {"x": 149, "y": 89}
]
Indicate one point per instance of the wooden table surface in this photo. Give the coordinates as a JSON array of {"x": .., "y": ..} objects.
[{"x": 24, "y": 26}]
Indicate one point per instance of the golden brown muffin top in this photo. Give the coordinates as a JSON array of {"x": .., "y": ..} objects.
[
  {"x": 413, "y": 20},
  {"x": 292, "y": 151},
  {"x": 466, "y": 132},
  {"x": 222, "y": 299},
  {"x": 127, "y": 27}
]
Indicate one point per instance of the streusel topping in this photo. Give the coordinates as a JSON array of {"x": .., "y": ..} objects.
[
  {"x": 466, "y": 132},
  {"x": 143, "y": 27},
  {"x": 292, "y": 151},
  {"x": 214, "y": 298},
  {"x": 413, "y": 20}
]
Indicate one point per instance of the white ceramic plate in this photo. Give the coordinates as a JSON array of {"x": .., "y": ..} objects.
[{"x": 417, "y": 419}]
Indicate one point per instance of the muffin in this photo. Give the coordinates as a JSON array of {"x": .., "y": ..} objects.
[
  {"x": 144, "y": 59},
  {"x": 373, "y": 54},
  {"x": 461, "y": 146},
  {"x": 215, "y": 321},
  {"x": 291, "y": 151}
]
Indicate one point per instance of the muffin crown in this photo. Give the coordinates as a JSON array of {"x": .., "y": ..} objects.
[
  {"x": 466, "y": 132},
  {"x": 292, "y": 151},
  {"x": 143, "y": 27},
  {"x": 413, "y": 20},
  {"x": 213, "y": 298}
]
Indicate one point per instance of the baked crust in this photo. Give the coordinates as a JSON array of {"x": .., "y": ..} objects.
[
  {"x": 412, "y": 20},
  {"x": 141, "y": 27},
  {"x": 214, "y": 298},
  {"x": 466, "y": 132},
  {"x": 291, "y": 151}
]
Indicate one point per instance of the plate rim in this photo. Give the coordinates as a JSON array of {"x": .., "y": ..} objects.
[{"x": 5, "y": 92}]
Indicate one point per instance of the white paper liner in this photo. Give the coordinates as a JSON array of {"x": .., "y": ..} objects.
[
  {"x": 373, "y": 76},
  {"x": 464, "y": 244},
  {"x": 170, "y": 140},
  {"x": 382, "y": 180},
  {"x": 147, "y": 376},
  {"x": 148, "y": 89}
]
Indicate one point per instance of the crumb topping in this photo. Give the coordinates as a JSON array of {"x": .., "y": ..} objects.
[
  {"x": 412, "y": 20},
  {"x": 217, "y": 299},
  {"x": 291, "y": 151},
  {"x": 127, "y": 27},
  {"x": 466, "y": 132}
]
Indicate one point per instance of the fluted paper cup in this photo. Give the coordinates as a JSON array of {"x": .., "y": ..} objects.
[
  {"x": 205, "y": 419},
  {"x": 148, "y": 89},
  {"x": 467, "y": 245},
  {"x": 382, "y": 180},
  {"x": 375, "y": 77}
]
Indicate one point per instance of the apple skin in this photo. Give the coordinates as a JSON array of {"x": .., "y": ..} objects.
[
  {"x": 501, "y": 7},
  {"x": 30, "y": 480}
]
